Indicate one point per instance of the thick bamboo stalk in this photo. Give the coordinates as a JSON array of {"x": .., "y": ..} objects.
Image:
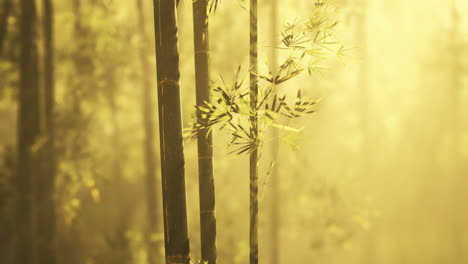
[
  {"x": 205, "y": 141},
  {"x": 170, "y": 132}
]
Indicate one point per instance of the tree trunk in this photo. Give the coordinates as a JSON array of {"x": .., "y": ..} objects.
[
  {"x": 254, "y": 134},
  {"x": 45, "y": 212},
  {"x": 28, "y": 133},
  {"x": 364, "y": 93},
  {"x": 275, "y": 176},
  {"x": 205, "y": 142},
  {"x": 152, "y": 193},
  {"x": 455, "y": 132},
  {"x": 170, "y": 130},
  {"x": 455, "y": 91},
  {"x": 4, "y": 23},
  {"x": 79, "y": 60}
]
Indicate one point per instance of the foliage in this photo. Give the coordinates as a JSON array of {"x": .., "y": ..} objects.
[{"x": 308, "y": 43}]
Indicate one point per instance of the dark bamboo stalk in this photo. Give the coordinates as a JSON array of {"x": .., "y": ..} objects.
[
  {"x": 170, "y": 131},
  {"x": 4, "y": 23},
  {"x": 275, "y": 180},
  {"x": 205, "y": 141},
  {"x": 46, "y": 218},
  {"x": 28, "y": 133},
  {"x": 253, "y": 171}
]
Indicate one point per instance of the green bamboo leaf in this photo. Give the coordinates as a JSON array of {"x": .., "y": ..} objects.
[{"x": 289, "y": 76}]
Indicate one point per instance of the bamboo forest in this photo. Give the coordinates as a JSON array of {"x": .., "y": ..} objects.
[{"x": 233, "y": 132}]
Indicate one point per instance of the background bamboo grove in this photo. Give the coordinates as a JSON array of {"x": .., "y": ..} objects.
[{"x": 233, "y": 131}]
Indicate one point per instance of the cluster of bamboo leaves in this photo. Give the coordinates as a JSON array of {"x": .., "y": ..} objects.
[{"x": 309, "y": 43}]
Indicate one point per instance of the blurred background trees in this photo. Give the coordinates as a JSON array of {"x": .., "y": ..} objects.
[{"x": 386, "y": 190}]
